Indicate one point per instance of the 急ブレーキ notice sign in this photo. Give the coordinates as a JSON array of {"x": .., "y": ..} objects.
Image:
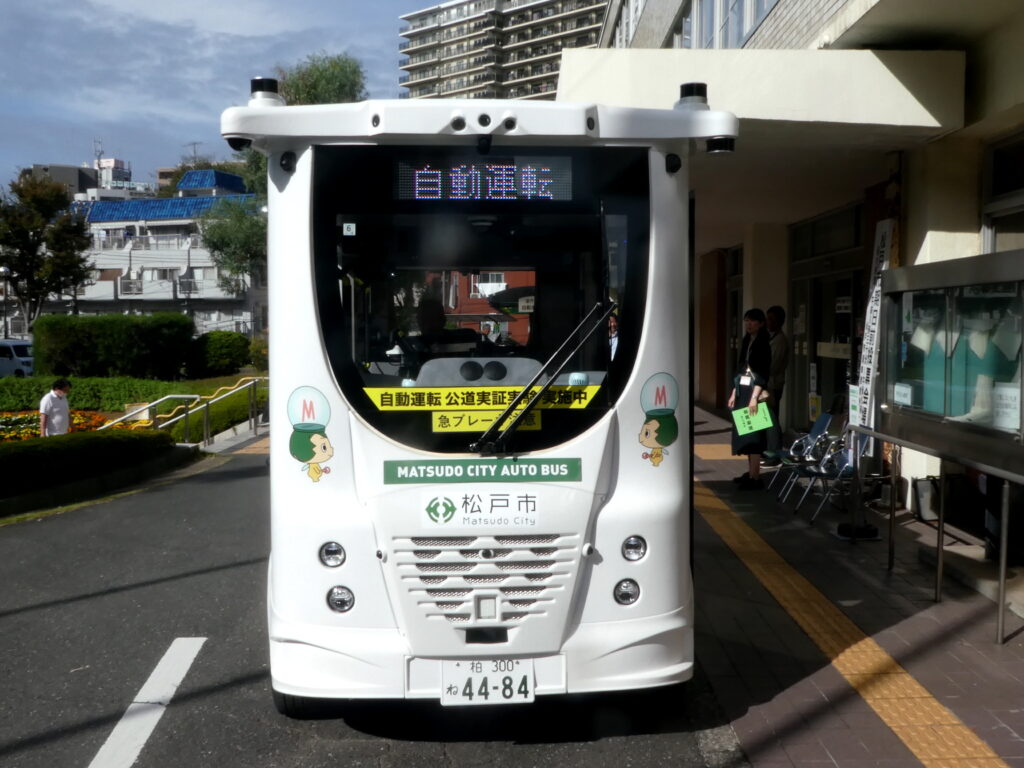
[{"x": 478, "y": 421}]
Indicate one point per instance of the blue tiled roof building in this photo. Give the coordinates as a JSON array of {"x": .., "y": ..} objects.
[
  {"x": 151, "y": 209},
  {"x": 211, "y": 179}
]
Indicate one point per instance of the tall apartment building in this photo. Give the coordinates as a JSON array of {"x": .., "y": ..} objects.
[{"x": 494, "y": 49}]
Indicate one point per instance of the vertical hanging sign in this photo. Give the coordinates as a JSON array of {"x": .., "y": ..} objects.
[{"x": 863, "y": 411}]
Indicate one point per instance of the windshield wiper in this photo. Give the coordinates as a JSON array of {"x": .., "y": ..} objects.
[{"x": 487, "y": 442}]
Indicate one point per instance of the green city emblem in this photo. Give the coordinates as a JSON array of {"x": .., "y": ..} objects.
[{"x": 441, "y": 510}]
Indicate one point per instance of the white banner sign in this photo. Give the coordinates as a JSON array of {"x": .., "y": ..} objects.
[{"x": 865, "y": 410}]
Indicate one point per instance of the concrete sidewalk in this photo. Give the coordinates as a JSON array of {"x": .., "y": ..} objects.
[
  {"x": 236, "y": 437},
  {"x": 820, "y": 656}
]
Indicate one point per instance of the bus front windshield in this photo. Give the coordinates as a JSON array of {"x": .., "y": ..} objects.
[{"x": 447, "y": 278}]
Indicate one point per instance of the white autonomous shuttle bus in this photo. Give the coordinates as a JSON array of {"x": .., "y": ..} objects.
[{"x": 479, "y": 494}]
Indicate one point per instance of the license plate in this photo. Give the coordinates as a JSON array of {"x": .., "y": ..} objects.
[{"x": 486, "y": 681}]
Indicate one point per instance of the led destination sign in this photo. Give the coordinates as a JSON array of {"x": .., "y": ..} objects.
[{"x": 488, "y": 179}]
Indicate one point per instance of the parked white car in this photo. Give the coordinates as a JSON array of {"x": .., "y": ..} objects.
[{"x": 15, "y": 358}]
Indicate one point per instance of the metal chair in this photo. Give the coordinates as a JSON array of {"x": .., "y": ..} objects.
[
  {"x": 833, "y": 471},
  {"x": 801, "y": 452}
]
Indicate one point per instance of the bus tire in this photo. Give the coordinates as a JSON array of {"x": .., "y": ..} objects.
[{"x": 296, "y": 707}]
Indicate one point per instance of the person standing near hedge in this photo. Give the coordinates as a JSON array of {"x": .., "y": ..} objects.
[{"x": 54, "y": 414}]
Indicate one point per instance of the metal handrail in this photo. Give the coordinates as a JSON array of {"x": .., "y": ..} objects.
[
  {"x": 251, "y": 385},
  {"x": 249, "y": 382},
  {"x": 147, "y": 407},
  {"x": 1008, "y": 476}
]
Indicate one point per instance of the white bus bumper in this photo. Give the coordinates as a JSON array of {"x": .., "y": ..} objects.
[{"x": 377, "y": 664}]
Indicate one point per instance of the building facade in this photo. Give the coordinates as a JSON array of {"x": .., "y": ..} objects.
[
  {"x": 148, "y": 256},
  {"x": 74, "y": 178},
  {"x": 865, "y": 125},
  {"x": 494, "y": 49}
]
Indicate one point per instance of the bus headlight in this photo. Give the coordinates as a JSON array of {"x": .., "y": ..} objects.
[
  {"x": 341, "y": 599},
  {"x": 332, "y": 554},
  {"x": 634, "y": 548},
  {"x": 626, "y": 592}
]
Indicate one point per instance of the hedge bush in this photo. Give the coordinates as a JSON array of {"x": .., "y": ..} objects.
[
  {"x": 103, "y": 394},
  {"x": 259, "y": 353},
  {"x": 218, "y": 353},
  {"x": 33, "y": 464},
  {"x": 143, "y": 346}
]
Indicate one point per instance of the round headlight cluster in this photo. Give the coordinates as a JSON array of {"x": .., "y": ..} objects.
[
  {"x": 634, "y": 548},
  {"x": 341, "y": 599},
  {"x": 332, "y": 554},
  {"x": 626, "y": 592}
]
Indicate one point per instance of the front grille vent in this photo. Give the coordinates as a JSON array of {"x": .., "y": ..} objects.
[
  {"x": 521, "y": 540},
  {"x": 516, "y": 577},
  {"x": 438, "y": 541}
]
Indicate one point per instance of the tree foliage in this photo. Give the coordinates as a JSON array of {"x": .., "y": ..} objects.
[
  {"x": 319, "y": 79},
  {"x": 235, "y": 234},
  {"x": 42, "y": 242},
  {"x": 323, "y": 79}
]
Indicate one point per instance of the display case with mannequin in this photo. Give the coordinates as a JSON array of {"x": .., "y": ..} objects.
[
  {"x": 984, "y": 367},
  {"x": 920, "y": 382}
]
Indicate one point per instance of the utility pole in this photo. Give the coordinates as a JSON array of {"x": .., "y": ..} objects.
[
  {"x": 195, "y": 153},
  {"x": 97, "y": 151}
]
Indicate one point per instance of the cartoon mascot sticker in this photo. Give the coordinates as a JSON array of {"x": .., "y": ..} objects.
[
  {"x": 659, "y": 399},
  {"x": 309, "y": 414}
]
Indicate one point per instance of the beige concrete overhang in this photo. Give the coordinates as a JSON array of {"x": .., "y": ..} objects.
[{"x": 816, "y": 127}]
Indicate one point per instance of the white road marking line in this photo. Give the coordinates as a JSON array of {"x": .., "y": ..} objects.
[{"x": 122, "y": 747}]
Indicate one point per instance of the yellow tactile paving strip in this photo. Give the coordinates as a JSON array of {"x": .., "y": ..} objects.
[
  {"x": 934, "y": 734},
  {"x": 260, "y": 447},
  {"x": 715, "y": 452}
]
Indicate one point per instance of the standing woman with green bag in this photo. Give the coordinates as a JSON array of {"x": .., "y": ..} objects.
[{"x": 750, "y": 391}]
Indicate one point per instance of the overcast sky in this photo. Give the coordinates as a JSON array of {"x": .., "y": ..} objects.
[{"x": 149, "y": 77}]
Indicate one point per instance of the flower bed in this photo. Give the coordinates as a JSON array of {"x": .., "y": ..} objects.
[{"x": 23, "y": 425}]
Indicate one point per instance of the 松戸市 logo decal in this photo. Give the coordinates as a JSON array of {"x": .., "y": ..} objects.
[{"x": 441, "y": 509}]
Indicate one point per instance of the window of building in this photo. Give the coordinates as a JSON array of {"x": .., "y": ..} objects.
[
  {"x": 719, "y": 23},
  {"x": 1003, "y": 210},
  {"x": 706, "y": 23},
  {"x": 734, "y": 27},
  {"x": 681, "y": 34},
  {"x": 761, "y": 9},
  {"x": 486, "y": 284}
]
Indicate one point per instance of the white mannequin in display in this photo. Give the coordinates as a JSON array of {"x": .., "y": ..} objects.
[{"x": 1003, "y": 331}]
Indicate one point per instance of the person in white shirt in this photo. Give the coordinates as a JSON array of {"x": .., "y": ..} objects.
[{"x": 54, "y": 414}]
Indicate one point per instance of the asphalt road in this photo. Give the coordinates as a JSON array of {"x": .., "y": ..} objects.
[{"x": 93, "y": 598}]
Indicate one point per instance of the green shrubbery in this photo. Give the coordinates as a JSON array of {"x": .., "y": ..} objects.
[
  {"x": 42, "y": 462},
  {"x": 143, "y": 346},
  {"x": 100, "y": 394},
  {"x": 158, "y": 346},
  {"x": 217, "y": 353},
  {"x": 259, "y": 353}
]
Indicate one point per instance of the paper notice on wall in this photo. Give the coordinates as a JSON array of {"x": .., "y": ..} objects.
[
  {"x": 1006, "y": 407},
  {"x": 813, "y": 407}
]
